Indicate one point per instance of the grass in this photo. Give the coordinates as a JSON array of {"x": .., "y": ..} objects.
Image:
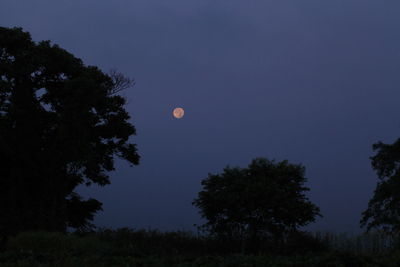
[{"x": 127, "y": 247}]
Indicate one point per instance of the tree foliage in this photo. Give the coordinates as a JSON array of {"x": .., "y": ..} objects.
[
  {"x": 61, "y": 125},
  {"x": 266, "y": 199},
  {"x": 383, "y": 210}
]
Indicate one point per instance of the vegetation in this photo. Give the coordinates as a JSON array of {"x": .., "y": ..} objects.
[
  {"x": 61, "y": 125},
  {"x": 264, "y": 201},
  {"x": 127, "y": 247},
  {"x": 384, "y": 207}
]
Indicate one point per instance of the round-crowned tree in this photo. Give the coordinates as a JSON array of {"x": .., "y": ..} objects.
[
  {"x": 264, "y": 200},
  {"x": 61, "y": 125}
]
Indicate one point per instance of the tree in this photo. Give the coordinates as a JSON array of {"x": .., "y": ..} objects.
[
  {"x": 264, "y": 200},
  {"x": 383, "y": 210},
  {"x": 61, "y": 125}
]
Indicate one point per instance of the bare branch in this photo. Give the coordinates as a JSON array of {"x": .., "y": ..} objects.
[{"x": 120, "y": 82}]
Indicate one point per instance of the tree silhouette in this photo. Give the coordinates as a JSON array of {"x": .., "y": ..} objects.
[
  {"x": 61, "y": 125},
  {"x": 384, "y": 207},
  {"x": 265, "y": 200}
]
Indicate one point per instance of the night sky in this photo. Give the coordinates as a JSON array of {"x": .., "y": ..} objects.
[{"x": 314, "y": 82}]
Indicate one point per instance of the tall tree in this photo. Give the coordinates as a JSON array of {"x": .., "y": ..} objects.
[
  {"x": 383, "y": 210},
  {"x": 61, "y": 125},
  {"x": 265, "y": 200}
]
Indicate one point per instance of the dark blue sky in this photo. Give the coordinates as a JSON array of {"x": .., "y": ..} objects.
[{"x": 315, "y": 82}]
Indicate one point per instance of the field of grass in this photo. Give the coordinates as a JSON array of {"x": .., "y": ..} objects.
[{"x": 127, "y": 247}]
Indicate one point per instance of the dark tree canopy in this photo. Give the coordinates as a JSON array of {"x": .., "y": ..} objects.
[
  {"x": 61, "y": 125},
  {"x": 383, "y": 210},
  {"x": 266, "y": 199}
]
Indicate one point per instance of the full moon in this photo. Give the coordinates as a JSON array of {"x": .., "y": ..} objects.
[{"x": 178, "y": 113}]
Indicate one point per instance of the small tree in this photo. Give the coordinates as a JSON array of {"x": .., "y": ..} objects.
[
  {"x": 61, "y": 124},
  {"x": 383, "y": 210},
  {"x": 265, "y": 200}
]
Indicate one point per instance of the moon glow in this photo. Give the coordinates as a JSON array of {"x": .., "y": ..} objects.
[{"x": 178, "y": 113}]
